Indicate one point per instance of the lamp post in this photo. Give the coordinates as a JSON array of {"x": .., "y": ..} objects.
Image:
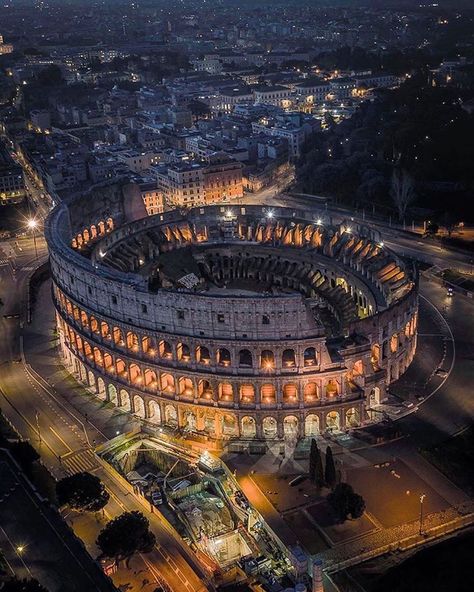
[
  {"x": 422, "y": 497},
  {"x": 33, "y": 225}
]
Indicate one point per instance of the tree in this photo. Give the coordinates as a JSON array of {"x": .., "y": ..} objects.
[
  {"x": 402, "y": 190},
  {"x": 345, "y": 502},
  {"x": 24, "y": 454},
  {"x": 330, "y": 468},
  {"x": 51, "y": 76},
  {"x": 17, "y": 585},
  {"x": 126, "y": 535},
  {"x": 315, "y": 465},
  {"x": 82, "y": 491}
]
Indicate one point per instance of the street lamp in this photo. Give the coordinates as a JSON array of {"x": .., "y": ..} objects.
[
  {"x": 422, "y": 497},
  {"x": 33, "y": 225}
]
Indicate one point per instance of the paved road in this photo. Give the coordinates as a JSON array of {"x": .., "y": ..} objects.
[
  {"x": 36, "y": 542},
  {"x": 62, "y": 435}
]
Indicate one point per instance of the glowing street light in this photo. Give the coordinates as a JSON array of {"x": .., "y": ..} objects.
[{"x": 32, "y": 224}]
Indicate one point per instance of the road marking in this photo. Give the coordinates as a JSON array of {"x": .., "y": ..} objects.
[{"x": 60, "y": 439}]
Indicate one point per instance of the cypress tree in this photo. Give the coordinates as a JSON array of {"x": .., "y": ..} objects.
[
  {"x": 315, "y": 465},
  {"x": 330, "y": 469}
]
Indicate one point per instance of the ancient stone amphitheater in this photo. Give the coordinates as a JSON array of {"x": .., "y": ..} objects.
[{"x": 230, "y": 322}]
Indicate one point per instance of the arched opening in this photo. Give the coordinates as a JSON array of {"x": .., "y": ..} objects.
[
  {"x": 394, "y": 343},
  {"x": 269, "y": 427},
  {"x": 183, "y": 352},
  {"x": 268, "y": 394},
  {"x": 290, "y": 427},
  {"x": 248, "y": 427},
  {"x": 352, "y": 417},
  {"x": 203, "y": 355},
  {"x": 101, "y": 388},
  {"x": 154, "y": 412},
  {"x": 94, "y": 325},
  {"x": 311, "y": 425},
  {"x": 104, "y": 330},
  {"x": 135, "y": 374},
  {"x": 118, "y": 336},
  {"x": 76, "y": 313},
  {"x": 245, "y": 358},
  {"x": 229, "y": 425},
  {"x": 87, "y": 349},
  {"x": 167, "y": 383},
  {"x": 331, "y": 388},
  {"x": 84, "y": 320},
  {"x": 333, "y": 421},
  {"x": 108, "y": 362},
  {"x": 358, "y": 369},
  {"x": 309, "y": 357},
  {"x": 101, "y": 227},
  {"x": 375, "y": 396},
  {"x": 112, "y": 394},
  {"x": 189, "y": 421},
  {"x": 139, "y": 406},
  {"x": 150, "y": 378},
  {"x": 93, "y": 231},
  {"x": 91, "y": 379},
  {"x": 247, "y": 394},
  {"x": 186, "y": 387},
  {"x": 165, "y": 350},
  {"x": 146, "y": 344},
  {"x": 86, "y": 235},
  {"x": 125, "y": 401},
  {"x": 205, "y": 389},
  {"x": 375, "y": 356},
  {"x": 290, "y": 394},
  {"x": 223, "y": 357},
  {"x": 171, "y": 416},
  {"x": 267, "y": 360},
  {"x": 226, "y": 392},
  {"x": 98, "y": 357},
  {"x": 132, "y": 341},
  {"x": 120, "y": 368},
  {"x": 288, "y": 358},
  {"x": 310, "y": 392},
  {"x": 109, "y": 225}
]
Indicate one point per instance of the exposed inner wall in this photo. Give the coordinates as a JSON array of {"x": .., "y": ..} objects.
[{"x": 231, "y": 367}]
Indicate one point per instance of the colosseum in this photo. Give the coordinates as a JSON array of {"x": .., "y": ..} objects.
[{"x": 229, "y": 322}]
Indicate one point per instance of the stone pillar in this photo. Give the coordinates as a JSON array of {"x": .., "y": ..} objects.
[{"x": 318, "y": 576}]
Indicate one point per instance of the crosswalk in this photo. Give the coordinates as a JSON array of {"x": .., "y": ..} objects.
[
  {"x": 79, "y": 461},
  {"x": 3, "y": 261}
]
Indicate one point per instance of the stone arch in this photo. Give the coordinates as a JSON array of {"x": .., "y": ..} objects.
[
  {"x": 94, "y": 324},
  {"x": 120, "y": 367},
  {"x": 223, "y": 357},
  {"x": 146, "y": 344},
  {"x": 290, "y": 426},
  {"x": 118, "y": 336},
  {"x": 171, "y": 415},
  {"x": 165, "y": 350},
  {"x": 352, "y": 417},
  {"x": 229, "y": 424},
  {"x": 139, "y": 406},
  {"x": 84, "y": 319},
  {"x": 203, "y": 355},
  {"x": 375, "y": 355},
  {"x": 101, "y": 227},
  {"x": 226, "y": 391},
  {"x": 288, "y": 358},
  {"x": 154, "y": 412},
  {"x": 310, "y": 392},
  {"x": 109, "y": 224},
  {"x": 108, "y": 362},
  {"x": 358, "y": 368},
  {"x": 150, "y": 378},
  {"x": 311, "y": 425},
  {"x": 98, "y": 359},
  {"x": 132, "y": 341},
  {"x": 125, "y": 400},
  {"x": 332, "y": 389},
  {"x": 86, "y": 235},
  {"x": 309, "y": 357},
  {"x": 104, "y": 330},
  {"x": 247, "y": 393},
  {"x": 183, "y": 352},
  {"x": 82, "y": 372},
  {"x": 186, "y": 386},
  {"x": 268, "y": 394},
  {"x": 101, "y": 388},
  {"x": 290, "y": 393},
  {"x": 245, "y": 358},
  {"x": 269, "y": 427},
  {"x": 135, "y": 373},
  {"x": 375, "y": 396},
  {"x": 93, "y": 231},
  {"x": 333, "y": 421},
  {"x": 91, "y": 379},
  {"x": 205, "y": 390},
  {"x": 167, "y": 383},
  {"x": 112, "y": 394},
  {"x": 248, "y": 427},
  {"x": 267, "y": 359},
  {"x": 189, "y": 421}
]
